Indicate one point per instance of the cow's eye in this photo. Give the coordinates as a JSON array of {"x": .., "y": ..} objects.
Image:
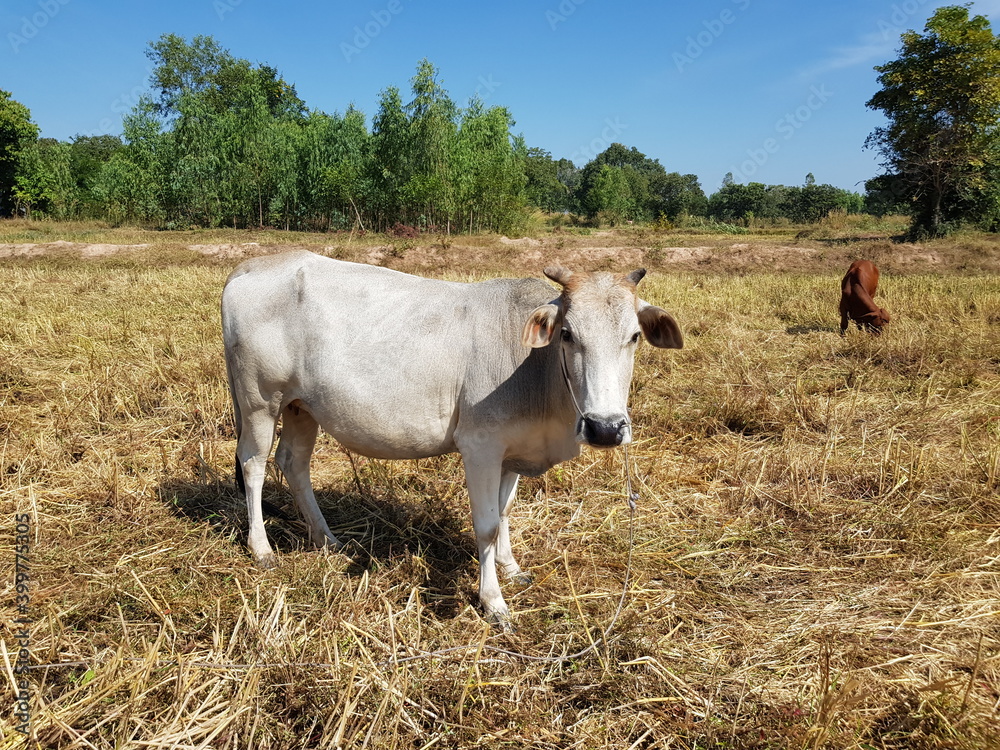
[
  {"x": 635, "y": 337},
  {"x": 567, "y": 336}
]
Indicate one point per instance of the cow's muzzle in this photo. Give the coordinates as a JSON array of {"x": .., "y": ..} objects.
[{"x": 604, "y": 432}]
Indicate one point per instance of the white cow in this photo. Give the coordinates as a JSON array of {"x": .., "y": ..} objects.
[{"x": 397, "y": 366}]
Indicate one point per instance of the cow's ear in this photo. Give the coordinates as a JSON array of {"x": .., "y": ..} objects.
[
  {"x": 540, "y": 326},
  {"x": 659, "y": 327},
  {"x": 636, "y": 276}
]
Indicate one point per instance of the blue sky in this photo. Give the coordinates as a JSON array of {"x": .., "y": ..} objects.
[{"x": 767, "y": 89}]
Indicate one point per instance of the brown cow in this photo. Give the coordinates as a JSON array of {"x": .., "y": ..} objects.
[{"x": 857, "y": 290}]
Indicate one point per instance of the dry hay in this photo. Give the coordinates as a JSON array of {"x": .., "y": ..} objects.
[{"x": 816, "y": 564}]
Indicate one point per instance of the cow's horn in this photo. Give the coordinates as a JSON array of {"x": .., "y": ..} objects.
[{"x": 558, "y": 274}]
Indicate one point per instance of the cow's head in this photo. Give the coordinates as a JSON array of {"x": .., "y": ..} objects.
[
  {"x": 598, "y": 320},
  {"x": 874, "y": 320}
]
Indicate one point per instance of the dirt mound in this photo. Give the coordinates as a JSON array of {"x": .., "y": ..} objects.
[
  {"x": 86, "y": 250},
  {"x": 528, "y": 255},
  {"x": 592, "y": 258},
  {"x": 520, "y": 241}
]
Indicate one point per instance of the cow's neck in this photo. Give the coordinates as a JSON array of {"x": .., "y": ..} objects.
[{"x": 559, "y": 397}]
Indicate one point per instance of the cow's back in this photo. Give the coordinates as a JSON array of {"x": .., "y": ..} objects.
[{"x": 862, "y": 272}]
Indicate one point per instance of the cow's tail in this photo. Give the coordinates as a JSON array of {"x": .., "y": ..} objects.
[{"x": 240, "y": 482}]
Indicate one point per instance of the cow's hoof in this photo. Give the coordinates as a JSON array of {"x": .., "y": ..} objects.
[
  {"x": 330, "y": 543},
  {"x": 501, "y": 621},
  {"x": 522, "y": 580},
  {"x": 266, "y": 562}
]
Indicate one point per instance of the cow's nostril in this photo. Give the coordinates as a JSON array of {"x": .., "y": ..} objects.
[{"x": 605, "y": 433}]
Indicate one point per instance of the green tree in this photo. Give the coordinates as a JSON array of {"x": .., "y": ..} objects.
[
  {"x": 286, "y": 202},
  {"x": 569, "y": 175},
  {"x": 196, "y": 175},
  {"x": 220, "y": 141},
  {"x": 488, "y": 170},
  {"x": 233, "y": 140},
  {"x": 132, "y": 184},
  {"x": 88, "y": 155},
  {"x": 181, "y": 67},
  {"x": 941, "y": 97},
  {"x": 812, "y": 202},
  {"x": 44, "y": 180},
  {"x": 641, "y": 189},
  {"x": 886, "y": 194},
  {"x": 344, "y": 184},
  {"x": 736, "y": 202},
  {"x": 673, "y": 195},
  {"x": 390, "y": 163},
  {"x": 17, "y": 132},
  {"x": 205, "y": 68},
  {"x": 622, "y": 194},
  {"x": 433, "y": 128},
  {"x": 544, "y": 189},
  {"x": 611, "y": 196}
]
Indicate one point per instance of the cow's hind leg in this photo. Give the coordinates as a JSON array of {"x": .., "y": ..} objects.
[
  {"x": 295, "y": 448},
  {"x": 505, "y": 557},
  {"x": 252, "y": 449}
]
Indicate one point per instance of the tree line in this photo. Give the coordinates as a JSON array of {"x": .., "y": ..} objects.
[
  {"x": 222, "y": 142},
  {"x": 219, "y": 141}
]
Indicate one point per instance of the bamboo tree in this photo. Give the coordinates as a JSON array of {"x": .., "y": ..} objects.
[
  {"x": 285, "y": 137},
  {"x": 492, "y": 176},
  {"x": 432, "y": 116},
  {"x": 345, "y": 174},
  {"x": 390, "y": 165},
  {"x": 131, "y": 184},
  {"x": 194, "y": 177}
]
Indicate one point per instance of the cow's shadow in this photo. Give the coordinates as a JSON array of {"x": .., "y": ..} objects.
[
  {"x": 377, "y": 530},
  {"x": 815, "y": 328}
]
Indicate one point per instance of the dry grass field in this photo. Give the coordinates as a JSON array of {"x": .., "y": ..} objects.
[{"x": 816, "y": 555}]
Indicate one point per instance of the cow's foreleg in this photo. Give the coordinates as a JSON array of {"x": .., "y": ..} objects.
[
  {"x": 252, "y": 449},
  {"x": 295, "y": 448},
  {"x": 483, "y": 479},
  {"x": 505, "y": 557}
]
